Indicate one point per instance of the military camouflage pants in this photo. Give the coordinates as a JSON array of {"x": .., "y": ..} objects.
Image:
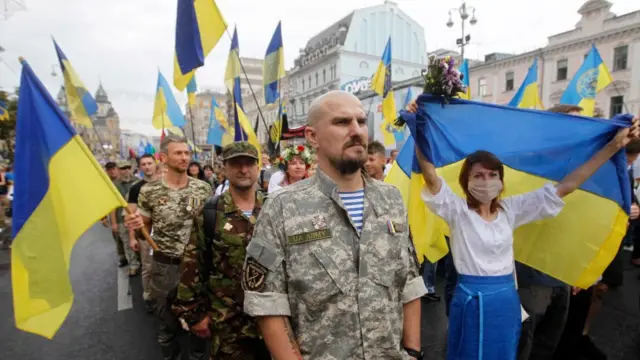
[
  {"x": 131, "y": 255},
  {"x": 165, "y": 278},
  {"x": 145, "y": 259}
]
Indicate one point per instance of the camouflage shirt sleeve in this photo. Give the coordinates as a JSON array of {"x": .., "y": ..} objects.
[
  {"x": 192, "y": 299},
  {"x": 144, "y": 206},
  {"x": 414, "y": 287},
  {"x": 263, "y": 275}
]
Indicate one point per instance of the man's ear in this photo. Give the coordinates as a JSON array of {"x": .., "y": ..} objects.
[{"x": 310, "y": 136}]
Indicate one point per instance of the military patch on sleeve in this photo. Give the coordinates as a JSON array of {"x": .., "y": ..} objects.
[{"x": 253, "y": 275}]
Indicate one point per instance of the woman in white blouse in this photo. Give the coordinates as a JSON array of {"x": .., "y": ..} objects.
[
  {"x": 294, "y": 162},
  {"x": 485, "y": 317}
]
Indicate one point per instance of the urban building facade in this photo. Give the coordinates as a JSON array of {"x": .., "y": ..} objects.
[
  {"x": 617, "y": 38},
  {"x": 346, "y": 56},
  {"x": 135, "y": 141},
  {"x": 104, "y": 138}
]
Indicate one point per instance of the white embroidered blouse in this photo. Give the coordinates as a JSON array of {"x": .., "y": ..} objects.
[{"x": 484, "y": 248}]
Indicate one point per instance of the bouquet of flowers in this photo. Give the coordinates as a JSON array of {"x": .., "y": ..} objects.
[
  {"x": 443, "y": 79},
  {"x": 289, "y": 152}
]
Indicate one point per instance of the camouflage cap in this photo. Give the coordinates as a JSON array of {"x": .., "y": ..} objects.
[
  {"x": 123, "y": 164},
  {"x": 237, "y": 149}
]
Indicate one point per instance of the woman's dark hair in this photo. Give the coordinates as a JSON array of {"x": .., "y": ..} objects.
[
  {"x": 200, "y": 171},
  {"x": 207, "y": 167},
  {"x": 488, "y": 161}
]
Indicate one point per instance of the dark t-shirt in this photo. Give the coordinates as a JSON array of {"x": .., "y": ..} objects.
[{"x": 135, "y": 191}]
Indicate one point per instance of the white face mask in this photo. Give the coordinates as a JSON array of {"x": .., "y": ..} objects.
[{"x": 485, "y": 190}]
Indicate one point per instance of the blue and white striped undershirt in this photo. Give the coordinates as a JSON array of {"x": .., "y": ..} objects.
[
  {"x": 247, "y": 213},
  {"x": 354, "y": 202}
]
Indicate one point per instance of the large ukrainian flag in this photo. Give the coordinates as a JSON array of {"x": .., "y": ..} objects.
[
  {"x": 381, "y": 84},
  {"x": 528, "y": 95},
  {"x": 79, "y": 100},
  {"x": 199, "y": 27},
  {"x": 51, "y": 209},
  {"x": 536, "y": 147},
  {"x": 166, "y": 111},
  {"x": 592, "y": 77},
  {"x": 273, "y": 67}
]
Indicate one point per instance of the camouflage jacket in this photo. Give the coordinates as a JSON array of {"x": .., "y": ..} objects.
[
  {"x": 123, "y": 187},
  {"x": 211, "y": 276},
  {"x": 343, "y": 290},
  {"x": 172, "y": 212}
]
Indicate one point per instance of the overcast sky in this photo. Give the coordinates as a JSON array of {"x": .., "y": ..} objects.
[{"x": 123, "y": 42}]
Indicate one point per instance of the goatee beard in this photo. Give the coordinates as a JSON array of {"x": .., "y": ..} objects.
[{"x": 348, "y": 166}]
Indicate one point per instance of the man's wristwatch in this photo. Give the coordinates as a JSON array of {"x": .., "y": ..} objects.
[{"x": 419, "y": 355}]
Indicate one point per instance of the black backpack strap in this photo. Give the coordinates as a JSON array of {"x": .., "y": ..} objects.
[{"x": 210, "y": 214}]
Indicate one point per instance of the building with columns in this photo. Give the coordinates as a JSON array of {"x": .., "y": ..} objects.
[
  {"x": 346, "y": 55},
  {"x": 617, "y": 38}
]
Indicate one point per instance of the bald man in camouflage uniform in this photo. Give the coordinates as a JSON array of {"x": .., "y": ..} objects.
[
  {"x": 210, "y": 297},
  {"x": 324, "y": 281},
  {"x": 169, "y": 206}
]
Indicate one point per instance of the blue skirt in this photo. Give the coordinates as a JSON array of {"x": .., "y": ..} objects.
[{"x": 484, "y": 319}]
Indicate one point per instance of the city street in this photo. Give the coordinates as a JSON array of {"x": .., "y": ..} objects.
[{"x": 102, "y": 324}]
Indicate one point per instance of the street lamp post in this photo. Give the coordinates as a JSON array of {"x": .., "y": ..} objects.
[{"x": 463, "y": 11}]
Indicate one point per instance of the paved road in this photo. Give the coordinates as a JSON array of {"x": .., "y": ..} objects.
[{"x": 97, "y": 330}]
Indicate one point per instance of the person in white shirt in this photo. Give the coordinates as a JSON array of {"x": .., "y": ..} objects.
[
  {"x": 294, "y": 161},
  {"x": 485, "y": 313}
]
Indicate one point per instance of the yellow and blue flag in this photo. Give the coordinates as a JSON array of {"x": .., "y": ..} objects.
[
  {"x": 399, "y": 132},
  {"x": 245, "y": 126},
  {"x": 541, "y": 147},
  {"x": 528, "y": 95},
  {"x": 4, "y": 112},
  {"x": 381, "y": 84},
  {"x": 464, "y": 70},
  {"x": 273, "y": 67},
  {"x": 219, "y": 133},
  {"x": 592, "y": 77},
  {"x": 166, "y": 111},
  {"x": 232, "y": 82},
  {"x": 51, "y": 209},
  {"x": 79, "y": 100},
  {"x": 199, "y": 27},
  {"x": 233, "y": 71},
  {"x": 192, "y": 88}
]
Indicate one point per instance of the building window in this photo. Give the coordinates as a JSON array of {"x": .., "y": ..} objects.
[
  {"x": 563, "y": 69},
  {"x": 317, "y": 78},
  {"x": 616, "y": 105},
  {"x": 309, "y": 81},
  {"x": 482, "y": 87},
  {"x": 364, "y": 65},
  {"x": 620, "y": 55},
  {"x": 302, "y": 84},
  {"x": 324, "y": 76},
  {"x": 508, "y": 81}
]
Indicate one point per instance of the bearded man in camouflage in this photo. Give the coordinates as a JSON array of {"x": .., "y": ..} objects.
[
  {"x": 210, "y": 297},
  {"x": 331, "y": 272},
  {"x": 169, "y": 206}
]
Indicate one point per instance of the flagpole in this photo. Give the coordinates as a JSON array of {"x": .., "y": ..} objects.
[
  {"x": 276, "y": 146},
  {"x": 193, "y": 134},
  {"x": 248, "y": 82}
]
